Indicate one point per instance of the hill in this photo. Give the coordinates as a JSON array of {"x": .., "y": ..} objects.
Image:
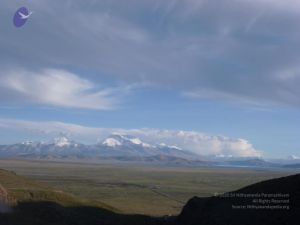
[
  {"x": 271, "y": 202},
  {"x": 27, "y": 202}
]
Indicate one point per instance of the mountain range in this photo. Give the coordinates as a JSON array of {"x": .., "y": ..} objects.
[
  {"x": 127, "y": 148},
  {"x": 116, "y": 146}
]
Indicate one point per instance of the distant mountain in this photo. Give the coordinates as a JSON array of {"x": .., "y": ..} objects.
[
  {"x": 128, "y": 148},
  {"x": 165, "y": 159},
  {"x": 59, "y": 147},
  {"x": 124, "y": 140},
  {"x": 255, "y": 162},
  {"x": 271, "y": 202},
  {"x": 126, "y": 145},
  {"x": 295, "y": 166},
  {"x": 291, "y": 159},
  {"x": 232, "y": 161},
  {"x": 114, "y": 147}
]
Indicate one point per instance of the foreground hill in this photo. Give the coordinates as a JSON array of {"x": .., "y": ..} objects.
[
  {"x": 24, "y": 201},
  {"x": 283, "y": 194}
]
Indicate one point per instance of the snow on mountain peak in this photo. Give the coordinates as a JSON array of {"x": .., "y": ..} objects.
[
  {"x": 27, "y": 143},
  {"x": 170, "y": 146},
  {"x": 111, "y": 142},
  {"x": 223, "y": 156},
  {"x": 32, "y": 143},
  {"x": 119, "y": 139},
  {"x": 293, "y": 157},
  {"x": 62, "y": 142},
  {"x": 136, "y": 141},
  {"x": 174, "y": 147}
]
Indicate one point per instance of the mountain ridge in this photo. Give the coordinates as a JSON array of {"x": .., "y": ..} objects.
[
  {"x": 127, "y": 148},
  {"x": 113, "y": 147}
]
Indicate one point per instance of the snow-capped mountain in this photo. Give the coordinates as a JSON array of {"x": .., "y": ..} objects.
[
  {"x": 111, "y": 142},
  {"x": 163, "y": 145},
  {"x": 63, "y": 141},
  {"x": 122, "y": 140},
  {"x": 130, "y": 146},
  {"x": 61, "y": 146},
  {"x": 124, "y": 147},
  {"x": 114, "y": 146}
]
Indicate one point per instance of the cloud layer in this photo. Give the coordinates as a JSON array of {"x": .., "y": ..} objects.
[
  {"x": 55, "y": 88},
  {"x": 199, "y": 143},
  {"x": 227, "y": 50}
]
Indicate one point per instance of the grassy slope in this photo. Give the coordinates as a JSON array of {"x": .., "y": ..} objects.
[
  {"x": 21, "y": 189},
  {"x": 33, "y": 203}
]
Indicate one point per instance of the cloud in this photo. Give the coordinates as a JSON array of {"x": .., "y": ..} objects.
[
  {"x": 197, "y": 142},
  {"x": 56, "y": 88},
  {"x": 230, "y": 49}
]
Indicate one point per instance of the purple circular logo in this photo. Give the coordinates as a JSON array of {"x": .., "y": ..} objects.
[{"x": 21, "y": 16}]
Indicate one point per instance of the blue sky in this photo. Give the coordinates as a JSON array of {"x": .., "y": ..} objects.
[{"x": 212, "y": 77}]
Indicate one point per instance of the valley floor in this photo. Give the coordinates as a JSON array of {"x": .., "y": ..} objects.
[{"x": 139, "y": 189}]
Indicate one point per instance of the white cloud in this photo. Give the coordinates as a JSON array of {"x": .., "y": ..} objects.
[
  {"x": 197, "y": 142},
  {"x": 219, "y": 95},
  {"x": 56, "y": 88}
]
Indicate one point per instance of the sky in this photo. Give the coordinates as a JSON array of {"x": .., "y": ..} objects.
[{"x": 213, "y": 77}]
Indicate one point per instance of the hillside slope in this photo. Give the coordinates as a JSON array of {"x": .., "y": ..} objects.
[
  {"x": 248, "y": 206},
  {"x": 27, "y": 202}
]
